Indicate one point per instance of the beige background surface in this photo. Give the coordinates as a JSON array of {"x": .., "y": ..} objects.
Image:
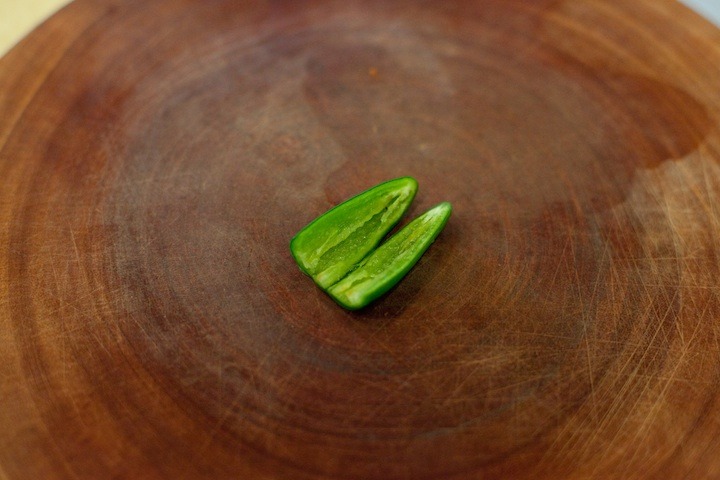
[{"x": 19, "y": 17}]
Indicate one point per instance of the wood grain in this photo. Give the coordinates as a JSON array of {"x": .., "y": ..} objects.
[{"x": 156, "y": 158}]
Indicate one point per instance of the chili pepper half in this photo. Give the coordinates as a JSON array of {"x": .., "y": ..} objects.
[
  {"x": 390, "y": 262},
  {"x": 333, "y": 244}
]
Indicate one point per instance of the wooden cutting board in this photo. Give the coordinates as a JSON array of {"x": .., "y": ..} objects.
[{"x": 157, "y": 157}]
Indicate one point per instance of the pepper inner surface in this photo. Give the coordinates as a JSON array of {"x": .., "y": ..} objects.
[
  {"x": 334, "y": 263},
  {"x": 333, "y": 245},
  {"x": 380, "y": 270}
]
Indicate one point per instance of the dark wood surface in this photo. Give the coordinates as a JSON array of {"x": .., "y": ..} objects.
[{"x": 156, "y": 158}]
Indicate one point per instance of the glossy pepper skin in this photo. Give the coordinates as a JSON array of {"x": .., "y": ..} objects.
[{"x": 339, "y": 249}]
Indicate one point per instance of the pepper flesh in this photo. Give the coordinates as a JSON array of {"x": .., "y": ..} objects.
[
  {"x": 333, "y": 244},
  {"x": 390, "y": 262}
]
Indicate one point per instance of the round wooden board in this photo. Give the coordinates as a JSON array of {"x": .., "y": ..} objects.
[{"x": 157, "y": 157}]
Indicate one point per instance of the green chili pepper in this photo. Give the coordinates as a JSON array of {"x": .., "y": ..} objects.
[
  {"x": 339, "y": 249},
  {"x": 330, "y": 247},
  {"x": 389, "y": 263}
]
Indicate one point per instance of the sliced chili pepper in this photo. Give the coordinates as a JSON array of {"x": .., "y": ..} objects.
[
  {"x": 339, "y": 249},
  {"x": 335, "y": 242},
  {"x": 390, "y": 262}
]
